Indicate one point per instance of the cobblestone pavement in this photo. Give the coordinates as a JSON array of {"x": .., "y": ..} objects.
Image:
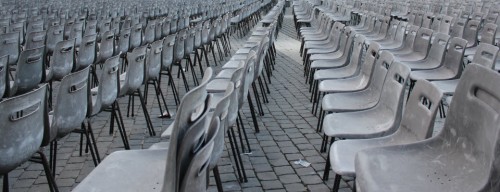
[{"x": 287, "y": 135}]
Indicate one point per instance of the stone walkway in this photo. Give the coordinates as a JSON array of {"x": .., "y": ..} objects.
[{"x": 287, "y": 134}]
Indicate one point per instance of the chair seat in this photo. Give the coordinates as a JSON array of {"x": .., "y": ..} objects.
[
  {"x": 356, "y": 83},
  {"x": 326, "y": 49},
  {"x": 359, "y": 125},
  {"x": 448, "y": 86},
  {"x": 217, "y": 85},
  {"x": 470, "y": 51},
  {"x": 328, "y": 64},
  {"x": 411, "y": 57},
  {"x": 325, "y": 54},
  {"x": 232, "y": 64},
  {"x": 336, "y": 73},
  {"x": 160, "y": 145},
  {"x": 350, "y": 101},
  {"x": 166, "y": 134},
  {"x": 422, "y": 65},
  {"x": 435, "y": 74},
  {"x": 134, "y": 170},
  {"x": 373, "y": 174}
]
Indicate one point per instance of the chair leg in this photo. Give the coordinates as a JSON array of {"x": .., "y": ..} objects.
[
  {"x": 50, "y": 177},
  {"x": 328, "y": 166},
  {"x": 89, "y": 143},
  {"x": 238, "y": 158},
  {"x": 236, "y": 153},
  {"x": 336, "y": 183},
  {"x": 242, "y": 126},
  {"x": 5, "y": 187},
  {"x": 252, "y": 110},
  {"x": 146, "y": 115},
  {"x": 186, "y": 85},
  {"x": 53, "y": 157},
  {"x": 218, "y": 181},
  {"x": 121, "y": 126},
  {"x": 257, "y": 99},
  {"x": 159, "y": 93}
]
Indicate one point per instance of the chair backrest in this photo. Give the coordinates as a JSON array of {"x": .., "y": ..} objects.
[
  {"x": 153, "y": 60},
  {"x": 135, "y": 36},
  {"x": 54, "y": 35},
  {"x": 87, "y": 53},
  {"x": 195, "y": 177},
  {"x": 220, "y": 113},
  {"x": 189, "y": 42},
  {"x": 62, "y": 62},
  {"x": 18, "y": 27},
  {"x": 437, "y": 22},
  {"x": 205, "y": 32},
  {"x": 368, "y": 66},
  {"x": 472, "y": 125},
  {"x": 419, "y": 113},
  {"x": 134, "y": 74},
  {"x": 392, "y": 94},
  {"x": 29, "y": 71},
  {"x": 197, "y": 35},
  {"x": 400, "y": 32},
  {"x": 70, "y": 108},
  {"x": 191, "y": 113},
  {"x": 107, "y": 47},
  {"x": 107, "y": 90},
  {"x": 90, "y": 28},
  {"x": 356, "y": 53},
  {"x": 247, "y": 78},
  {"x": 4, "y": 78},
  {"x": 167, "y": 55},
  {"x": 453, "y": 58},
  {"x": 393, "y": 27},
  {"x": 486, "y": 55},
  {"x": 165, "y": 28},
  {"x": 35, "y": 39},
  {"x": 426, "y": 21},
  {"x": 488, "y": 33},
  {"x": 422, "y": 41},
  {"x": 444, "y": 26},
  {"x": 471, "y": 31},
  {"x": 458, "y": 27},
  {"x": 149, "y": 32},
  {"x": 10, "y": 46},
  {"x": 23, "y": 120},
  {"x": 76, "y": 33},
  {"x": 179, "y": 45},
  {"x": 380, "y": 68}
]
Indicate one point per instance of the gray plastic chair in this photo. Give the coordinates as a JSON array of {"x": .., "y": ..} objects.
[
  {"x": 4, "y": 78},
  {"x": 450, "y": 68},
  {"x": 107, "y": 46},
  {"x": 417, "y": 124},
  {"x": 153, "y": 67},
  {"x": 357, "y": 82},
  {"x": 55, "y": 34},
  {"x": 438, "y": 164},
  {"x": 62, "y": 61},
  {"x": 149, "y": 32},
  {"x": 471, "y": 31},
  {"x": 123, "y": 42},
  {"x": 161, "y": 168},
  {"x": 487, "y": 36},
  {"x": 132, "y": 79},
  {"x": 29, "y": 71},
  {"x": 19, "y": 27},
  {"x": 458, "y": 27},
  {"x": 409, "y": 40},
  {"x": 358, "y": 100},
  {"x": 420, "y": 48},
  {"x": 22, "y": 134},
  {"x": 398, "y": 39},
  {"x": 435, "y": 55},
  {"x": 486, "y": 55},
  {"x": 35, "y": 39},
  {"x": 87, "y": 53},
  {"x": 381, "y": 120},
  {"x": 167, "y": 59},
  {"x": 76, "y": 33},
  {"x": 135, "y": 36},
  {"x": 10, "y": 45}
]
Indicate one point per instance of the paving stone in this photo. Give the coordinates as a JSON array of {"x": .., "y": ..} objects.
[
  {"x": 287, "y": 179},
  {"x": 275, "y": 184}
]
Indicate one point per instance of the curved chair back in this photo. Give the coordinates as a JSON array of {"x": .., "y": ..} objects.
[
  {"x": 153, "y": 60},
  {"x": 29, "y": 71},
  {"x": 167, "y": 55},
  {"x": 10, "y": 46},
  {"x": 197, "y": 35},
  {"x": 438, "y": 47},
  {"x": 422, "y": 41},
  {"x": 472, "y": 125},
  {"x": 107, "y": 47},
  {"x": 457, "y": 29},
  {"x": 107, "y": 91},
  {"x": 62, "y": 61},
  {"x": 437, "y": 22},
  {"x": 486, "y": 55},
  {"x": 179, "y": 45},
  {"x": 135, "y": 36},
  {"x": 355, "y": 57},
  {"x": 205, "y": 32},
  {"x": 77, "y": 33},
  {"x": 470, "y": 32},
  {"x": 189, "y": 42},
  {"x": 453, "y": 58},
  {"x": 488, "y": 33},
  {"x": 391, "y": 31},
  {"x": 191, "y": 113},
  {"x": 382, "y": 63},
  {"x": 392, "y": 94},
  {"x": 195, "y": 177},
  {"x": 149, "y": 32},
  {"x": 123, "y": 41},
  {"x": 236, "y": 79},
  {"x": 18, "y": 27},
  {"x": 4, "y": 78},
  {"x": 444, "y": 26},
  {"x": 400, "y": 32},
  {"x": 134, "y": 74},
  {"x": 87, "y": 52},
  {"x": 165, "y": 28},
  {"x": 21, "y": 135},
  {"x": 246, "y": 78},
  {"x": 90, "y": 28},
  {"x": 173, "y": 25},
  {"x": 158, "y": 30},
  {"x": 221, "y": 113},
  {"x": 54, "y": 35},
  {"x": 368, "y": 66},
  {"x": 70, "y": 108},
  {"x": 35, "y": 39}
]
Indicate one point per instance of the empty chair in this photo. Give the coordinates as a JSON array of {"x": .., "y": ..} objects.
[
  {"x": 55, "y": 34},
  {"x": 123, "y": 42},
  {"x": 107, "y": 46},
  {"x": 62, "y": 62},
  {"x": 420, "y": 48},
  {"x": 416, "y": 125},
  {"x": 162, "y": 168},
  {"x": 471, "y": 31},
  {"x": 487, "y": 36},
  {"x": 435, "y": 55},
  {"x": 87, "y": 53},
  {"x": 438, "y": 164},
  {"x": 153, "y": 67},
  {"x": 10, "y": 44},
  {"x": 149, "y": 32},
  {"x": 135, "y": 36},
  {"x": 381, "y": 120},
  {"x": 22, "y": 134},
  {"x": 35, "y": 39},
  {"x": 29, "y": 71},
  {"x": 167, "y": 59}
]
